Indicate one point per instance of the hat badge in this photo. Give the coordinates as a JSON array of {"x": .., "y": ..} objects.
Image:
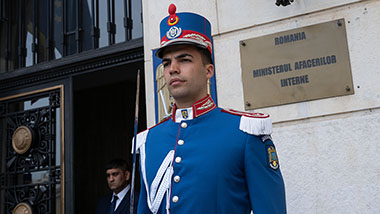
[
  {"x": 173, "y": 32},
  {"x": 173, "y": 19}
]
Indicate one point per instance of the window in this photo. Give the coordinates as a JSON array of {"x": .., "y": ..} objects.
[{"x": 42, "y": 30}]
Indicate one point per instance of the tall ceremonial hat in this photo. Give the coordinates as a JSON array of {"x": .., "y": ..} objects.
[{"x": 184, "y": 28}]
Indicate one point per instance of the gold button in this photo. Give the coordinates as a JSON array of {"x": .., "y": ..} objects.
[
  {"x": 178, "y": 159},
  {"x": 184, "y": 125},
  {"x": 181, "y": 142},
  {"x": 175, "y": 199},
  {"x": 177, "y": 178}
]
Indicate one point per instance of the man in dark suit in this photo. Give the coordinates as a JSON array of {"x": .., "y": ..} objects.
[{"x": 117, "y": 202}]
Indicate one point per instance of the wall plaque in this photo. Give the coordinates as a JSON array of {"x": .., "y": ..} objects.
[{"x": 297, "y": 65}]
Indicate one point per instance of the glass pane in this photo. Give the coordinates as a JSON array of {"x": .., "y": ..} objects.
[
  {"x": 13, "y": 35},
  {"x": 29, "y": 53},
  {"x": 72, "y": 15},
  {"x": 119, "y": 21},
  {"x": 57, "y": 53},
  {"x": 87, "y": 17},
  {"x": 36, "y": 103},
  {"x": 28, "y": 104},
  {"x": 136, "y": 17},
  {"x": 72, "y": 45},
  {"x": 58, "y": 29},
  {"x": 2, "y": 47},
  {"x": 71, "y": 26},
  {"x": 28, "y": 12},
  {"x": 28, "y": 178},
  {"x": 103, "y": 19},
  {"x": 43, "y": 30}
]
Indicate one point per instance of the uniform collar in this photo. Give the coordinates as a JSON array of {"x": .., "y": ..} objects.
[
  {"x": 199, "y": 108},
  {"x": 183, "y": 114}
]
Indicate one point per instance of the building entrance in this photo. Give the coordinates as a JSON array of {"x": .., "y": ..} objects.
[{"x": 104, "y": 110}]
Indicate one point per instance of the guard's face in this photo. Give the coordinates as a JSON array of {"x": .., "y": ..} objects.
[
  {"x": 117, "y": 180},
  {"x": 185, "y": 74}
]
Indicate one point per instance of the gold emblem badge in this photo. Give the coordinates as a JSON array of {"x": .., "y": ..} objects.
[
  {"x": 22, "y": 139},
  {"x": 22, "y": 208},
  {"x": 272, "y": 157}
]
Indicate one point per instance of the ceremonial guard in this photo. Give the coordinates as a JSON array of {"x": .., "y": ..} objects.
[{"x": 204, "y": 159}]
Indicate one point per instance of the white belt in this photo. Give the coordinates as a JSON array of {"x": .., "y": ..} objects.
[{"x": 158, "y": 189}]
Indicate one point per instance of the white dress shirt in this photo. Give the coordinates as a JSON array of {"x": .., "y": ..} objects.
[{"x": 120, "y": 195}]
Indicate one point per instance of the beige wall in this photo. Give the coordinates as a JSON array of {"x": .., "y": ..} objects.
[{"x": 329, "y": 149}]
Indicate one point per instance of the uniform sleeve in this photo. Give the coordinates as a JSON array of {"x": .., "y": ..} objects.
[
  {"x": 142, "y": 207},
  {"x": 265, "y": 183}
]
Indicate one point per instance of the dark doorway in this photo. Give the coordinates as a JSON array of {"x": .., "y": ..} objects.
[{"x": 104, "y": 110}]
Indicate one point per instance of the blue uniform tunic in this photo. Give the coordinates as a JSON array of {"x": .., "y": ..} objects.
[{"x": 216, "y": 167}]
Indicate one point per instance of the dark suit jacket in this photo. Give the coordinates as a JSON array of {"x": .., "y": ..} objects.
[{"x": 123, "y": 208}]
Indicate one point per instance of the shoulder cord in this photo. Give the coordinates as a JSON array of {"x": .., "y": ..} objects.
[{"x": 157, "y": 190}]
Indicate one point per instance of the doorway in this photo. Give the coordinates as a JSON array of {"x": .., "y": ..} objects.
[{"x": 104, "y": 111}]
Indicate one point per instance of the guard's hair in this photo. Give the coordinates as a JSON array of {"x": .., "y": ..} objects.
[{"x": 206, "y": 55}]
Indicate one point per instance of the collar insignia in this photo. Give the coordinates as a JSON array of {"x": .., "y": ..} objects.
[{"x": 184, "y": 113}]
